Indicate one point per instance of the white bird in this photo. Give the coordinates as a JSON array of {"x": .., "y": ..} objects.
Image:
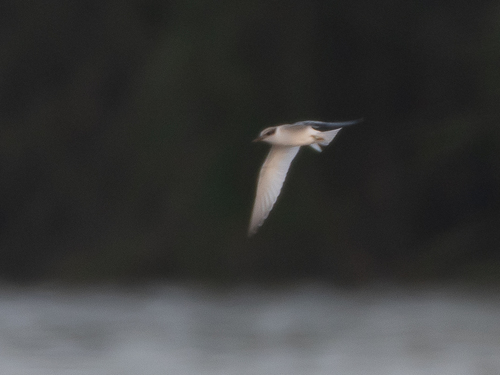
[{"x": 286, "y": 141}]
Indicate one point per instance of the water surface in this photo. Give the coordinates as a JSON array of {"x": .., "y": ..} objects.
[{"x": 305, "y": 329}]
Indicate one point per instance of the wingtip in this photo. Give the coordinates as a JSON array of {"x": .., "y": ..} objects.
[
  {"x": 251, "y": 232},
  {"x": 352, "y": 122}
]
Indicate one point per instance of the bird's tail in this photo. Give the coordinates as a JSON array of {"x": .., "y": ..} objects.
[{"x": 324, "y": 138}]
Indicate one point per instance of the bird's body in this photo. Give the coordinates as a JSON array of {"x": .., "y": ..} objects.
[{"x": 286, "y": 141}]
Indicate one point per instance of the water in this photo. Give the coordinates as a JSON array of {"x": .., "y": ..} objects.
[{"x": 306, "y": 329}]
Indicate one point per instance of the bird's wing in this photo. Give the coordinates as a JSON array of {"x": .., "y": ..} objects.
[
  {"x": 271, "y": 178},
  {"x": 325, "y": 126}
]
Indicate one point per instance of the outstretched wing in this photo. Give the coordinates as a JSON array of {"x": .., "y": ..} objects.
[
  {"x": 271, "y": 178},
  {"x": 326, "y": 126}
]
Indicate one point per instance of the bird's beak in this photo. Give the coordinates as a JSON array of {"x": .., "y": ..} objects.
[{"x": 258, "y": 139}]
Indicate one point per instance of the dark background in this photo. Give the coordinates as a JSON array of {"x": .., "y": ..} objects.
[{"x": 125, "y": 134}]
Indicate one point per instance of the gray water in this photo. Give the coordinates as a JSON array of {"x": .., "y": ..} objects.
[{"x": 306, "y": 329}]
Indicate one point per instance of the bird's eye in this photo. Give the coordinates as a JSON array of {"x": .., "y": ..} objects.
[{"x": 271, "y": 132}]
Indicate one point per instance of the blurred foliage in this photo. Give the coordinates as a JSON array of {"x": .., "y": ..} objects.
[{"x": 125, "y": 142}]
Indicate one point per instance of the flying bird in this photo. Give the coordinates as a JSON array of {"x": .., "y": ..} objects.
[{"x": 286, "y": 141}]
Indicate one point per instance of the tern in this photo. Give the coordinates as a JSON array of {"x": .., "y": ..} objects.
[{"x": 286, "y": 141}]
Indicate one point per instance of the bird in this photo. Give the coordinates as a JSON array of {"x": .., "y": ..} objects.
[{"x": 286, "y": 141}]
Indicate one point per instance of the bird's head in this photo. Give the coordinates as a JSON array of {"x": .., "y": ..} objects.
[{"x": 266, "y": 135}]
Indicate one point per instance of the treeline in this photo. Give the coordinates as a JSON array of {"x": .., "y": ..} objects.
[{"x": 125, "y": 147}]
